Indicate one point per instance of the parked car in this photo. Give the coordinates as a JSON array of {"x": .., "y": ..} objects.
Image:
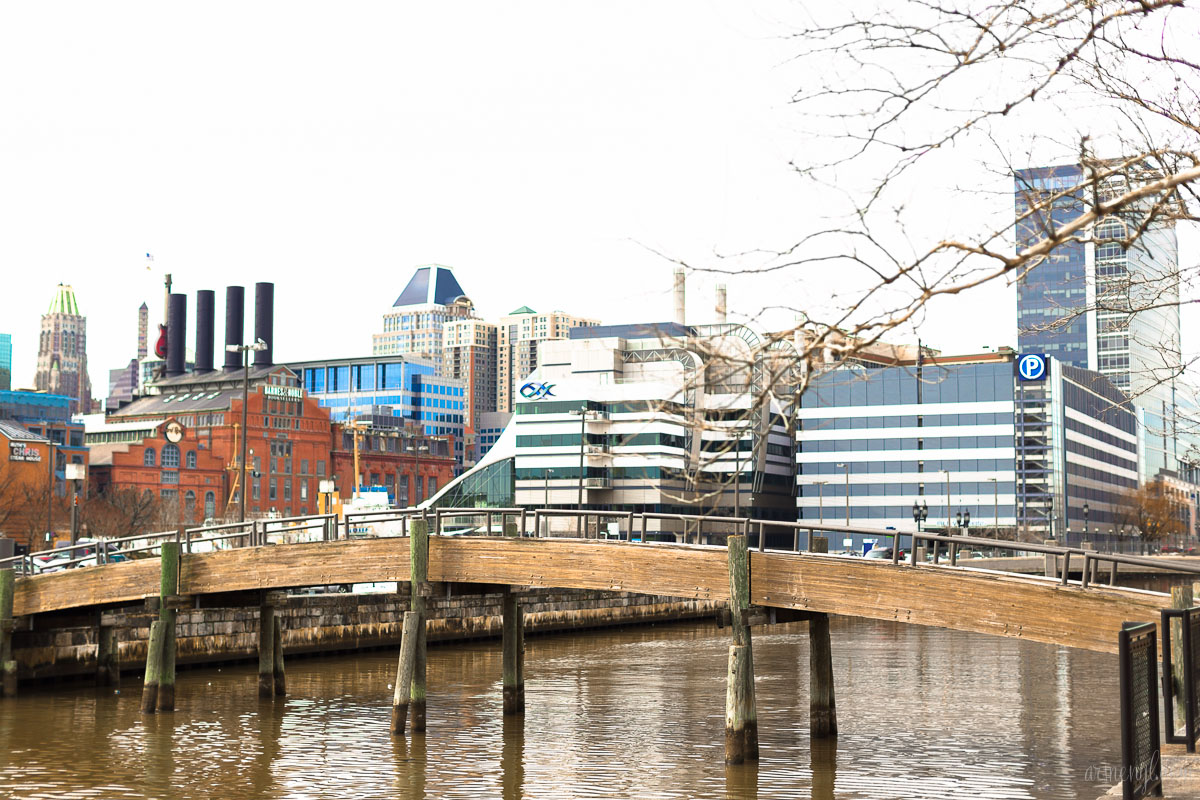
[{"x": 882, "y": 553}]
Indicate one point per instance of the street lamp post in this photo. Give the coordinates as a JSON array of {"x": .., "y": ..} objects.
[
  {"x": 948, "y": 520},
  {"x": 244, "y": 349},
  {"x": 583, "y": 416},
  {"x": 847, "y": 468},
  {"x": 920, "y": 514},
  {"x": 50, "y": 493},
  {"x": 821, "y": 501},
  {"x": 1086, "y": 532},
  {"x": 996, "y": 506}
]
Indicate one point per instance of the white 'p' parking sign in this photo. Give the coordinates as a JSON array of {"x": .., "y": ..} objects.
[{"x": 1031, "y": 367}]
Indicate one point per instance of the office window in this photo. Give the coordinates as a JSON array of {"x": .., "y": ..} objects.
[
  {"x": 273, "y": 491},
  {"x": 320, "y": 467},
  {"x": 147, "y": 457},
  {"x": 255, "y": 492},
  {"x": 287, "y": 489},
  {"x": 191, "y": 459}
]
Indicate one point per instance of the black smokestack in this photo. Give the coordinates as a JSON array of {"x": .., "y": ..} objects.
[
  {"x": 176, "y": 335},
  {"x": 205, "y": 308},
  {"x": 235, "y": 310},
  {"x": 264, "y": 322}
]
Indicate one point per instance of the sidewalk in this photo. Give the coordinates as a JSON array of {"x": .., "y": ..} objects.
[{"x": 1181, "y": 775}]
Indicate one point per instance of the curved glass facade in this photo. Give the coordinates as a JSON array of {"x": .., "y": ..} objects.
[{"x": 494, "y": 486}]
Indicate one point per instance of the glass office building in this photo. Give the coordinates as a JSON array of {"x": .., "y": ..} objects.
[
  {"x": 1104, "y": 303},
  {"x": 5, "y": 362},
  {"x": 354, "y": 388},
  {"x": 1020, "y": 456}
]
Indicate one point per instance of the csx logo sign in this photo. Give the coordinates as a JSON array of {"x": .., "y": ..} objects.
[{"x": 536, "y": 391}]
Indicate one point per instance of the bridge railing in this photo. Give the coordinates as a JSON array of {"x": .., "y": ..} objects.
[
  {"x": 631, "y": 527},
  {"x": 379, "y": 523}
]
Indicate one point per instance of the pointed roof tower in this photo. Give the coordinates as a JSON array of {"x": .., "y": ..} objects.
[
  {"x": 64, "y": 301},
  {"x": 431, "y": 284}
]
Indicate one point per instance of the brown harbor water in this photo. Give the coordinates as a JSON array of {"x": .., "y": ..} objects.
[{"x": 636, "y": 712}]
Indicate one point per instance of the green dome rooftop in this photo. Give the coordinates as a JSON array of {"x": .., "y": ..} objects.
[{"x": 523, "y": 310}]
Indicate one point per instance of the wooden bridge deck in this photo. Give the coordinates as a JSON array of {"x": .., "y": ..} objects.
[{"x": 961, "y": 598}]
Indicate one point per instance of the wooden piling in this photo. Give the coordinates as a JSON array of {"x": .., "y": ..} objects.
[
  {"x": 737, "y": 704},
  {"x": 740, "y": 706},
  {"x": 154, "y": 649},
  {"x": 404, "y": 673},
  {"x": 419, "y": 577},
  {"x": 168, "y": 589},
  {"x": 277, "y": 660},
  {"x": 8, "y": 684},
  {"x": 266, "y": 651},
  {"x": 1181, "y": 597},
  {"x": 822, "y": 709},
  {"x": 512, "y": 659},
  {"x": 108, "y": 658}
]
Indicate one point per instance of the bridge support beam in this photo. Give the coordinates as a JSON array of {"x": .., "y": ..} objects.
[
  {"x": 418, "y": 548},
  {"x": 741, "y": 714},
  {"x": 404, "y": 673},
  {"x": 513, "y": 655},
  {"x": 822, "y": 708},
  {"x": 8, "y": 667},
  {"x": 108, "y": 659},
  {"x": 277, "y": 660}
]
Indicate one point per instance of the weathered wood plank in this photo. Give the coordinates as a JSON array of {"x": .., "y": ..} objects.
[
  {"x": 1020, "y": 607},
  {"x": 303, "y": 564},
  {"x": 677, "y": 570},
  {"x": 122, "y": 582}
]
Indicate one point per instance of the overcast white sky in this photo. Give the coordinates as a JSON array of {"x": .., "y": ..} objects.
[{"x": 535, "y": 147}]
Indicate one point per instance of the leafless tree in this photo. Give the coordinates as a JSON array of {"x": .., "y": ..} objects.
[{"x": 900, "y": 101}]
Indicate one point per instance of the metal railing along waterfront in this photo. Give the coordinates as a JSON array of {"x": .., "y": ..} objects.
[
  {"x": 1189, "y": 623},
  {"x": 635, "y": 527},
  {"x": 1141, "y": 747}
]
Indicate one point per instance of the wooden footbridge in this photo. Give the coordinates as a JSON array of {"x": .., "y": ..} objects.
[{"x": 247, "y": 564}]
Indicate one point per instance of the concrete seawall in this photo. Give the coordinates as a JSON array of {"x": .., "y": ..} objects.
[{"x": 333, "y": 622}]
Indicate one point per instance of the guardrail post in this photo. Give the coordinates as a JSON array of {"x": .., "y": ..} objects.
[
  {"x": 418, "y": 549},
  {"x": 1066, "y": 568},
  {"x": 8, "y": 681},
  {"x": 512, "y": 655},
  {"x": 168, "y": 589},
  {"x": 822, "y": 705},
  {"x": 643, "y": 528},
  {"x": 1084, "y": 578},
  {"x": 523, "y": 531},
  {"x": 1050, "y": 570},
  {"x": 741, "y": 715}
]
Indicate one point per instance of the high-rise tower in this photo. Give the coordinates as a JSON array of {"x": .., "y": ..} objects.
[
  {"x": 62, "y": 351},
  {"x": 414, "y": 324},
  {"x": 1108, "y": 299}
]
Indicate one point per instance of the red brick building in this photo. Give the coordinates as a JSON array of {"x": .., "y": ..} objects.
[
  {"x": 288, "y": 448},
  {"x": 411, "y": 465},
  {"x": 184, "y": 445}
]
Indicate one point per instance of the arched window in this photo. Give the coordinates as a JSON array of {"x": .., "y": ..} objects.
[
  {"x": 191, "y": 459},
  {"x": 170, "y": 456},
  {"x": 148, "y": 457},
  {"x": 210, "y": 505},
  {"x": 189, "y": 505}
]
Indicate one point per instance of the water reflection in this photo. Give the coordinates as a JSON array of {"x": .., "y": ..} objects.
[{"x": 923, "y": 713}]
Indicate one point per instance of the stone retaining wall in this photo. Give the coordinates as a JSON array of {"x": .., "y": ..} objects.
[{"x": 332, "y": 622}]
